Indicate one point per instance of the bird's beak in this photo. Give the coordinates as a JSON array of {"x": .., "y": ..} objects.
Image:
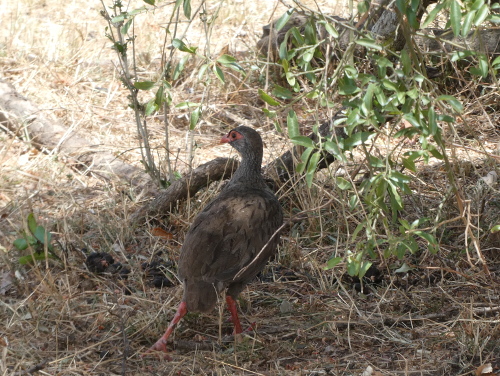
[{"x": 225, "y": 139}]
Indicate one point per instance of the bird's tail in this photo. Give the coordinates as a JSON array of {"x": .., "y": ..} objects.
[{"x": 200, "y": 296}]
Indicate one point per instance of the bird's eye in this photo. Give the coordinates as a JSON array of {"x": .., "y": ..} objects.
[{"x": 233, "y": 135}]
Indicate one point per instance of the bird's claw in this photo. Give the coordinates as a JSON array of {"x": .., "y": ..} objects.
[{"x": 158, "y": 349}]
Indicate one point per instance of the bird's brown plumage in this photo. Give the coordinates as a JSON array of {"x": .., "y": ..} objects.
[{"x": 234, "y": 236}]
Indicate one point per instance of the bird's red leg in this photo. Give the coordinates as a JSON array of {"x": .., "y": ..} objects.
[
  {"x": 161, "y": 344},
  {"x": 231, "y": 305}
]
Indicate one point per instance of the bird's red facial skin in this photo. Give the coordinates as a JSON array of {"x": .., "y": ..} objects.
[{"x": 231, "y": 136}]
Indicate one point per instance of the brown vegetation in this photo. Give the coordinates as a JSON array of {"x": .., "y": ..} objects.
[{"x": 439, "y": 317}]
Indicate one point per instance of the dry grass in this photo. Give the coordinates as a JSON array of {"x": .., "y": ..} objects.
[{"x": 441, "y": 318}]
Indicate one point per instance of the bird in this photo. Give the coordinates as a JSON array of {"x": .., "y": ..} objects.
[{"x": 231, "y": 239}]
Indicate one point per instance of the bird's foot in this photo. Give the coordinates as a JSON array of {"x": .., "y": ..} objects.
[{"x": 158, "y": 349}]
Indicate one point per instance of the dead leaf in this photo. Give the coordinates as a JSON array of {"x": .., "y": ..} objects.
[
  {"x": 5, "y": 283},
  {"x": 157, "y": 231},
  {"x": 485, "y": 370}
]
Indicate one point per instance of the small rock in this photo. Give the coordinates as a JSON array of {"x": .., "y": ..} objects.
[{"x": 286, "y": 307}]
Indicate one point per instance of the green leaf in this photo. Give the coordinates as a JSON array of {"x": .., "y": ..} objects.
[
  {"x": 311, "y": 168},
  {"x": 267, "y": 98},
  {"x": 476, "y": 5},
  {"x": 352, "y": 268},
  {"x": 409, "y": 164},
  {"x": 435, "y": 153},
  {"x": 342, "y": 183},
  {"x": 369, "y": 43},
  {"x": 357, "y": 139},
  {"x": 432, "y": 14},
  {"x": 347, "y": 86},
  {"x": 282, "y": 93},
  {"x": 467, "y": 24},
  {"x": 194, "y": 117},
  {"x": 333, "y": 262},
  {"x": 482, "y": 68},
  {"x": 494, "y": 229},
  {"x": 403, "y": 269},
  {"x": 283, "y": 52},
  {"x": 454, "y": 102},
  {"x": 396, "y": 203},
  {"x": 21, "y": 244},
  {"x": 201, "y": 72},
  {"x": 303, "y": 141},
  {"x": 330, "y": 29},
  {"x": 32, "y": 225},
  {"x": 180, "y": 67},
  {"x": 402, "y": 6},
  {"x": 144, "y": 85},
  {"x": 412, "y": 120},
  {"x": 226, "y": 59},
  {"x": 308, "y": 54},
  {"x": 353, "y": 204},
  {"x": 124, "y": 29},
  {"x": 277, "y": 126},
  {"x": 283, "y": 20},
  {"x": 180, "y": 45},
  {"x": 376, "y": 162},
  {"x": 299, "y": 39},
  {"x": 150, "y": 2},
  {"x": 31, "y": 258},
  {"x": 119, "y": 18},
  {"x": 334, "y": 149},
  {"x": 365, "y": 265},
  {"x": 236, "y": 67},
  {"x": 398, "y": 177},
  {"x": 496, "y": 61},
  {"x": 389, "y": 85},
  {"x": 138, "y": 11},
  {"x": 187, "y": 8},
  {"x": 40, "y": 234},
  {"x": 151, "y": 107},
  {"x": 220, "y": 75},
  {"x": 459, "y": 55},
  {"x": 455, "y": 17},
  {"x": 406, "y": 62},
  {"x": 433, "y": 127},
  {"x": 269, "y": 114},
  {"x": 425, "y": 235},
  {"x": 363, "y": 7},
  {"x": 304, "y": 158},
  {"x": 367, "y": 100},
  {"x": 292, "y": 124},
  {"x": 186, "y": 105},
  {"x": 481, "y": 15}
]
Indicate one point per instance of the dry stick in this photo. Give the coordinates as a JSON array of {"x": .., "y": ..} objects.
[
  {"x": 234, "y": 366},
  {"x": 35, "y": 368},
  {"x": 497, "y": 157}
]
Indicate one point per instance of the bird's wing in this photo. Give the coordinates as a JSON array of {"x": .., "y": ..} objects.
[{"x": 228, "y": 234}]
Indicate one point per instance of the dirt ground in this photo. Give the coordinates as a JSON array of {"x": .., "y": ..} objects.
[{"x": 424, "y": 315}]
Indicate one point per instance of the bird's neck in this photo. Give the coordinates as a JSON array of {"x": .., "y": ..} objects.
[{"x": 249, "y": 171}]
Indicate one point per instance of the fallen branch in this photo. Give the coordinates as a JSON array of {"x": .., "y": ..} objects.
[
  {"x": 279, "y": 170},
  {"x": 201, "y": 177},
  {"x": 21, "y": 116}
]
